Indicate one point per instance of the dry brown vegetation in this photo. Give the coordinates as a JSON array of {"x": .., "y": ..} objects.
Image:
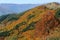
[{"x": 35, "y": 24}]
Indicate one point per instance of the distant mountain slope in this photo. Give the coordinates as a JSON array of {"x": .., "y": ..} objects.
[
  {"x": 15, "y": 8},
  {"x": 39, "y": 23}
]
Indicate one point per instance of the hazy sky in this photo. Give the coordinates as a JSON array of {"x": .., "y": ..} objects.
[{"x": 28, "y": 1}]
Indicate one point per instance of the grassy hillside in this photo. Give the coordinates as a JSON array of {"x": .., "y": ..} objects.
[{"x": 39, "y": 23}]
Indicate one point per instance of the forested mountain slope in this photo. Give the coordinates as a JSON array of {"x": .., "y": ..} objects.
[{"x": 39, "y": 23}]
